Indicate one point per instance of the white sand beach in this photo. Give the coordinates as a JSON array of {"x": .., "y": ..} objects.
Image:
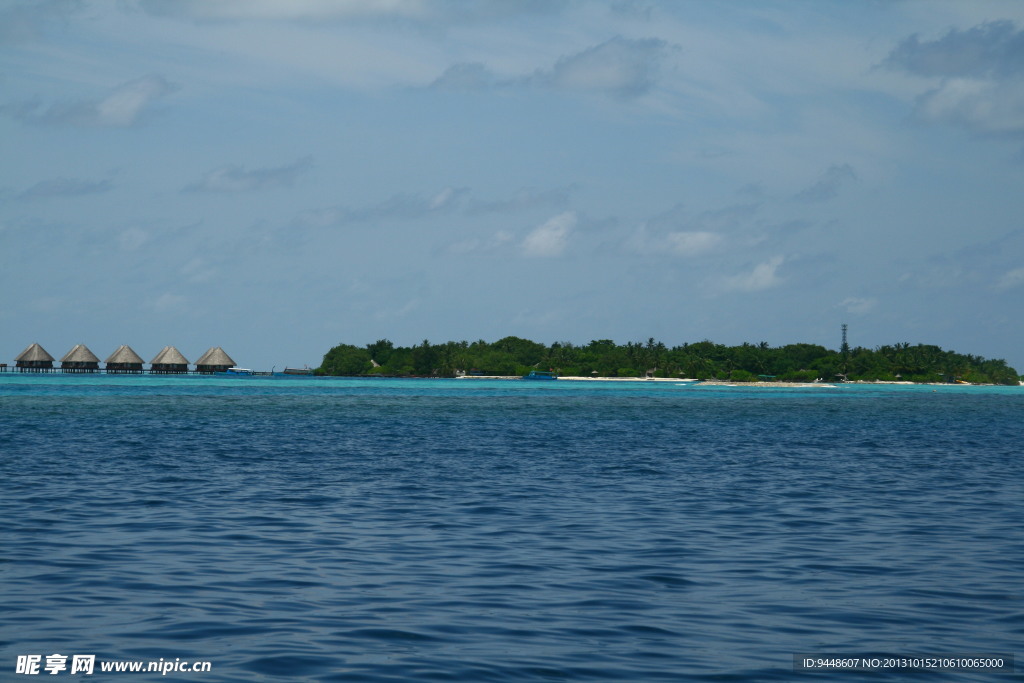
[{"x": 711, "y": 382}]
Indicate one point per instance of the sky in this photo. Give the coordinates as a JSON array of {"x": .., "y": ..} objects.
[{"x": 279, "y": 176}]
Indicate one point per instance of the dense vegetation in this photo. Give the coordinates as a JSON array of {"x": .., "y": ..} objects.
[{"x": 703, "y": 360}]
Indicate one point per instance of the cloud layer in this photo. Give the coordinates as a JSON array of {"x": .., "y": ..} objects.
[
  {"x": 680, "y": 170},
  {"x": 416, "y": 12},
  {"x": 762, "y": 276},
  {"x": 981, "y": 71},
  {"x": 65, "y": 187},
  {"x": 622, "y": 68},
  {"x": 990, "y": 50},
  {"x": 233, "y": 178},
  {"x": 828, "y": 185},
  {"x": 551, "y": 237},
  {"x": 122, "y": 107}
]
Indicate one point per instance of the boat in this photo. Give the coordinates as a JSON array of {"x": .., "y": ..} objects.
[
  {"x": 238, "y": 372},
  {"x": 538, "y": 374},
  {"x": 298, "y": 371}
]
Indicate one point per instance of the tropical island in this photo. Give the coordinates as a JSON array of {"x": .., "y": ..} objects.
[{"x": 704, "y": 360}]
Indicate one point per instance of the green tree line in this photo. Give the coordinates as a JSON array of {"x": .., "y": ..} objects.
[{"x": 701, "y": 360}]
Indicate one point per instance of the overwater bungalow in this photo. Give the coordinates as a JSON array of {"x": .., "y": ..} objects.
[
  {"x": 214, "y": 360},
  {"x": 80, "y": 359},
  {"x": 34, "y": 359},
  {"x": 169, "y": 361},
  {"x": 124, "y": 361}
]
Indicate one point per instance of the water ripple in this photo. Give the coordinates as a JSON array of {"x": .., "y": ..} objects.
[{"x": 448, "y": 531}]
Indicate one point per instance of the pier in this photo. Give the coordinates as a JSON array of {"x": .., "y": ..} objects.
[
  {"x": 123, "y": 361},
  {"x": 4, "y": 367}
]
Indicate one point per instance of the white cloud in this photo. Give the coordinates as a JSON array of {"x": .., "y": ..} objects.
[
  {"x": 391, "y": 313},
  {"x": 129, "y": 100},
  {"x": 857, "y": 305},
  {"x": 989, "y": 106},
  {"x": 132, "y": 238},
  {"x": 763, "y": 276},
  {"x": 401, "y": 207},
  {"x": 692, "y": 243},
  {"x": 288, "y": 9},
  {"x": 26, "y": 21},
  {"x": 198, "y": 271},
  {"x": 622, "y": 67},
  {"x": 525, "y": 200},
  {"x": 123, "y": 107},
  {"x": 448, "y": 198},
  {"x": 552, "y": 237},
  {"x": 428, "y": 13},
  {"x": 65, "y": 187},
  {"x": 475, "y": 245},
  {"x": 169, "y": 303},
  {"x": 994, "y": 47},
  {"x": 677, "y": 232},
  {"x": 465, "y": 76},
  {"x": 981, "y": 70},
  {"x": 238, "y": 179},
  {"x": 828, "y": 184},
  {"x": 1011, "y": 279}
]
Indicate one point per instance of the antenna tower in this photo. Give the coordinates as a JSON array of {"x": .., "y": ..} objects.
[{"x": 844, "y": 353}]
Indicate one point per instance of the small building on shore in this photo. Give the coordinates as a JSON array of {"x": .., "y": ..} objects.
[
  {"x": 214, "y": 360},
  {"x": 169, "y": 361},
  {"x": 80, "y": 359},
  {"x": 124, "y": 361},
  {"x": 34, "y": 359}
]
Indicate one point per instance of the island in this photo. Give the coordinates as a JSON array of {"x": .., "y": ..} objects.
[{"x": 704, "y": 360}]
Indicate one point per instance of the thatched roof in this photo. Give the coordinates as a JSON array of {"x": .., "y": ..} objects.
[
  {"x": 215, "y": 356},
  {"x": 33, "y": 353},
  {"x": 80, "y": 353},
  {"x": 169, "y": 356},
  {"x": 124, "y": 354}
]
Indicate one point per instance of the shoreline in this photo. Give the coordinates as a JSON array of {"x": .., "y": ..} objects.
[
  {"x": 695, "y": 382},
  {"x": 683, "y": 381},
  {"x": 728, "y": 383}
]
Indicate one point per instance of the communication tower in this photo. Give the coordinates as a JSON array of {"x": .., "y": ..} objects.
[{"x": 844, "y": 353}]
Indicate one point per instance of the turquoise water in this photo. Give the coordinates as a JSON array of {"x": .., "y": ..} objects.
[{"x": 379, "y": 530}]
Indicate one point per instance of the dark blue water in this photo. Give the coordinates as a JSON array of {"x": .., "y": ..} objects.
[{"x": 505, "y": 531}]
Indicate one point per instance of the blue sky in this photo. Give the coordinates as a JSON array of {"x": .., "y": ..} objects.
[{"x": 279, "y": 176}]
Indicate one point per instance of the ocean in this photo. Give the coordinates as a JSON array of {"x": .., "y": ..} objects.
[{"x": 485, "y": 530}]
